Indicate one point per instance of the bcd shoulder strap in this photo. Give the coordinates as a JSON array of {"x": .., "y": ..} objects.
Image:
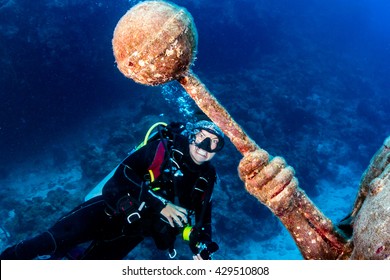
[
  {"x": 159, "y": 157},
  {"x": 166, "y": 133}
]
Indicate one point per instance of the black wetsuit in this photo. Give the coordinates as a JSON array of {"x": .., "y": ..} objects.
[{"x": 104, "y": 219}]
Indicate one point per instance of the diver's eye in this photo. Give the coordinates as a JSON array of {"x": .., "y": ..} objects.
[
  {"x": 214, "y": 143},
  {"x": 200, "y": 136}
]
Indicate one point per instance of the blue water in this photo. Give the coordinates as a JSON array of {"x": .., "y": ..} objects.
[{"x": 307, "y": 80}]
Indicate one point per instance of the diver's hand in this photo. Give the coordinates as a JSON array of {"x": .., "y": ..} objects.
[
  {"x": 175, "y": 214},
  {"x": 205, "y": 250},
  {"x": 197, "y": 257}
]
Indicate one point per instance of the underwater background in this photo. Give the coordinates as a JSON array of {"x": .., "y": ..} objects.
[{"x": 308, "y": 80}]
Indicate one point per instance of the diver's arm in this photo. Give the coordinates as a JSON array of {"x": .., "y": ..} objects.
[
  {"x": 205, "y": 225},
  {"x": 128, "y": 181},
  {"x": 203, "y": 211},
  {"x": 202, "y": 245}
]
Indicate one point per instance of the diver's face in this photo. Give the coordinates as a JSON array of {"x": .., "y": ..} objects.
[{"x": 198, "y": 155}]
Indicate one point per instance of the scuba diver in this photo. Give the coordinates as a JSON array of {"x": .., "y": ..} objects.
[{"x": 160, "y": 190}]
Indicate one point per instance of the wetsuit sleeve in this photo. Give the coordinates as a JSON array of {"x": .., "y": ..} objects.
[
  {"x": 203, "y": 232},
  {"x": 203, "y": 216},
  {"x": 206, "y": 233},
  {"x": 128, "y": 182}
]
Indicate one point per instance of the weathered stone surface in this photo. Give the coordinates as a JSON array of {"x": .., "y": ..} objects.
[
  {"x": 154, "y": 42},
  {"x": 371, "y": 235}
]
